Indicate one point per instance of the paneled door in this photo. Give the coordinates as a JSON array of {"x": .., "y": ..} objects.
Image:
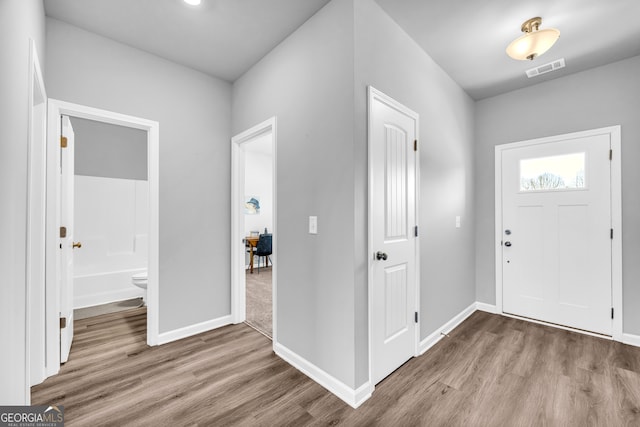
[
  {"x": 67, "y": 244},
  {"x": 392, "y": 180},
  {"x": 556, "y": 232}
]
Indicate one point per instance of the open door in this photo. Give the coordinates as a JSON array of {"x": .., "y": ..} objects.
[{"x": 67, "y": 245}]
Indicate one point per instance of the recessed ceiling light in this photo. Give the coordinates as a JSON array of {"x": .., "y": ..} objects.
[{"x": 192, "y": 2}]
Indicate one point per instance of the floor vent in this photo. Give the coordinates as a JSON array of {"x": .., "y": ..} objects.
[{"x": 546, "y": 68}]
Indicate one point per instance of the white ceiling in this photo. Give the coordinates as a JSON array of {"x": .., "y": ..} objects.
[
  {"x": 223, "y": 38},
  {"x": 467, "y": 38}
]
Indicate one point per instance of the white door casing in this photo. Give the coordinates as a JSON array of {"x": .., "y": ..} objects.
[
  {"x": 66, "y": 241},
  {"x": 555, "y": 260},
  {"x": 238, "y": 278},
  {"x": 393, "y": 244},
  {"x": 56, "y": 109}
]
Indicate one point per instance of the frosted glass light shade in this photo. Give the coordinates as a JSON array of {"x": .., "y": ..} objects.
[
  {"x": 533, "y": 44},
  {"x": 192, "y": 2}
]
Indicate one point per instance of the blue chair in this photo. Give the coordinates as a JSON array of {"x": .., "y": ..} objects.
[{"x": 264, "y": 249}]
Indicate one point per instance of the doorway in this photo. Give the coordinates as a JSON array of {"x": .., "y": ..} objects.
[
  {"x": 557, "y": 217},
  {"x": 393, "y": 235},
  {"x": 110, "y": 217},
  {"x": 59, "y": 298},
  {"x": 254, "y": 228}
]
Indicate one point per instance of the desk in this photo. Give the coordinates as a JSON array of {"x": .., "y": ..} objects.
[{"x": 251, "y": 242}]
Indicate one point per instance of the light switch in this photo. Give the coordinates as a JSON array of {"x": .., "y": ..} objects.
[
  {"x": 458, "y": 221},
  {"x": 313, "y": 225}
]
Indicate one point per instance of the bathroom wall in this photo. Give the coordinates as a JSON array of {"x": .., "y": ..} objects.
[
  {"x": 109, "y": 150},
  {"x": 112, "y": 222}
]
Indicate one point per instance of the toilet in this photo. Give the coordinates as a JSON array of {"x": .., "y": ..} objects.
[{"x": 140, "y": 280}]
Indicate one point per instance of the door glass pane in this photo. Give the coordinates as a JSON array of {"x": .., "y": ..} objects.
[{"x": 561, "y": 172}]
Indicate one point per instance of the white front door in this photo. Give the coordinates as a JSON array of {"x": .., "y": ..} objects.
[
  {"x": 556, "y": 232},
  {"x": 66, "y": 239},
  {"x": 392, "y": 169}
]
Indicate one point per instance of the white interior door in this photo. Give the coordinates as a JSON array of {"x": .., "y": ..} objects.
[
  {"x": 556, "y": 218},
  {"x": 392, "y": 168},
  {"x": 66, "y": 239}
]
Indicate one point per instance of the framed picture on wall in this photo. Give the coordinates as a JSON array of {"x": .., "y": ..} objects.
[{"x": 252, "y": 205}]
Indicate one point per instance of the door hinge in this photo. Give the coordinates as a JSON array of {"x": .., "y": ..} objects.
[
  {"x": 610, "y": 154},
  {"x": 63, "y": 322},
  {"x": 416, "y": 316},
  {"x": 63, "y": 232},
  {"x": 612, "y": 312},
  {"x": 415, "y": 145},
  {"x": 415, "y": 231},
  {"x": 63, "y": 141},
  {"x": 612, "y": 233}
]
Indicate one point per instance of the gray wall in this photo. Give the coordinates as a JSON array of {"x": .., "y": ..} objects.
[
  {"x": 389, "y": 60},
  {"x": 603, "y": 96},
  {"x": 315, "y": 83},
  {"x": 307, "y": 82},
  {"x": 193, "y": 110},
  {"x": 111, "y": 151},
  {"x": 20, "y": 20}
]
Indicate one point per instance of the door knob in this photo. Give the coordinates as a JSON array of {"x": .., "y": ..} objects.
[
  {"x": 77, "y": 245},
  {"x": 381, "y": 256},
  {"x": 507, "y": 244}
]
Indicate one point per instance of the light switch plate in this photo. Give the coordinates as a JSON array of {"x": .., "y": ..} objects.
[
  {"x": 313, "y": 225},
  {"x": 458, "y": 221}
]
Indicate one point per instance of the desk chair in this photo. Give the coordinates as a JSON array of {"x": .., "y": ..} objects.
[{"x": 263, "y": 249}]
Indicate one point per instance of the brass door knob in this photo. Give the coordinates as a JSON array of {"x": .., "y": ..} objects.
[{"x": 77, "y": 245}]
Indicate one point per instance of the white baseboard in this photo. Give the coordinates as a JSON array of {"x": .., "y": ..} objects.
[
  {"x": 191, "y": 330},
  {"x": 352, "y": 397},
  {"x": 489, "y": 308},
  {"x": 631, "y": 339},
  {"x": 436, "y": 336},
  {"x": 107, "y": 297}
]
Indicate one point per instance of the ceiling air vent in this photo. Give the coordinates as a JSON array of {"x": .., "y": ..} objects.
[{"x": 546, "y": 68}]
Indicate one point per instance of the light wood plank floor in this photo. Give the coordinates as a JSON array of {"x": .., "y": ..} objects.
[{"x": 491, "y": 371}]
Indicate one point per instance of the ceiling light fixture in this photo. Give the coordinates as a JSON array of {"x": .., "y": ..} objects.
[
  {"x": 192, "y": 2},
  {"x": 534, "y": 42}
]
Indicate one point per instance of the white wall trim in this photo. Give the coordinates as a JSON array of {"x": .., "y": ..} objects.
[
  {"x": 489, "y": 308},
  {"x": 614, "y": 133},
  {"x": 353, "y": 397},
  {"x": 198, "y": 328},
  {"x": 35, "y": 337},
  {"x": 55, "y": 109},
  {"x": 631, "y": 339},
  {"x": 438, "y": 334},
  {"x": 238, "y": 278}
]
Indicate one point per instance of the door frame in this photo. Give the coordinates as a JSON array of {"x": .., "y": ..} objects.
[
  {"x": 614, "y": 133},
  {"x": 238, "y": 278},
  {"x": 36, "y": 199},
  {"x": 55, "y": 109},
  {"x": 374, "y": 94}
]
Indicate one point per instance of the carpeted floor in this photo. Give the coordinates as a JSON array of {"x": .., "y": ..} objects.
[
  {"x": 112, "y": 307},
  {"x": 259, "y": 306}
]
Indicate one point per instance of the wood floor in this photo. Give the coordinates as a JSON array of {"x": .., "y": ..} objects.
[{"x": 491, "y": 371}]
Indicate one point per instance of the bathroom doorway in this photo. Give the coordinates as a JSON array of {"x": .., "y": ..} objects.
[
  {"x": 254, "y": 263},
  {"x": 125, "y": 204},
  {"x": 111, "y": 218}
]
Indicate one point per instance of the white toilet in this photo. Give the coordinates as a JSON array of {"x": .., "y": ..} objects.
[{"x": 140, "y": 280}]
